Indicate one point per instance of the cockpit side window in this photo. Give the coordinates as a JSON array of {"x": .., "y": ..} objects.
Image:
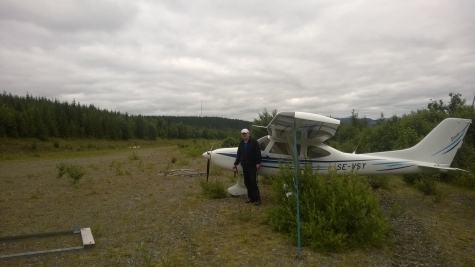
[
  {"x": 316, "y": 152},
  {"x": 263, "y": 142},
  {"x": 283, "y": 148}
]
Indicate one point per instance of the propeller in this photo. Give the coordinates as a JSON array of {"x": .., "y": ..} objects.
[{"x": 209, "y": 161}]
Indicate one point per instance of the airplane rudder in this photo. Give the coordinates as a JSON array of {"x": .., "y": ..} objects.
[{"x": 448, "y": 139}]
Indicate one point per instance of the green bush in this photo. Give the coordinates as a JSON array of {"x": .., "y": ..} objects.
[
  {"x": 411, "y": 179},
  {"x": 378, "y": 181},
  {"x": 195, "y": 148},
  {"x": 427, "y": 185},
  {"x": 465, "y": 179},
  {"x": 230, "y": 142},
  {"x": 134, "y": 156},
  {"x": 423, "y": 182},
  {"x": 336, "y": 212},
  {"x": 75, "y": 172},
  {"x": 213, "y": 189}
]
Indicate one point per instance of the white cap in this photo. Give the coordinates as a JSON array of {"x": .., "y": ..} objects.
[{"x": 244, "y": 131}]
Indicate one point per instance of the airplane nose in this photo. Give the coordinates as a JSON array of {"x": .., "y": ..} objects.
[{"x": 206, "y": 155}]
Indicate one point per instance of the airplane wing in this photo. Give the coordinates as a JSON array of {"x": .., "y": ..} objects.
[
  {"x": 437, "y": 166},
  {"x": 309, "y": 126}
]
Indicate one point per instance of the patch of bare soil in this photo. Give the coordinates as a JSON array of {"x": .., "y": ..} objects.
[{"x": 141, "y": 217}]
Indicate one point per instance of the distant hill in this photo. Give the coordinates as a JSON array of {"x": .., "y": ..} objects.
[{"x": 217, "y": 123}]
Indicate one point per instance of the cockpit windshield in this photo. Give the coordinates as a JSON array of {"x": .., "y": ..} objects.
[{"x": 263, "y": 142}]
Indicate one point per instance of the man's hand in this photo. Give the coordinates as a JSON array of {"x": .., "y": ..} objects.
[{"x": 258, "y": 166}]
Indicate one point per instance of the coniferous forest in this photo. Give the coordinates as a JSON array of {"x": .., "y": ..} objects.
[{"x": 38, "y": 117}]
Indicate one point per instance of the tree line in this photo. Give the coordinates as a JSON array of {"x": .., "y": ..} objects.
[
  {"x": 209, "y": 122},
  {"x": 42, "y": 118},
  {"x": 396, "y": 133}
]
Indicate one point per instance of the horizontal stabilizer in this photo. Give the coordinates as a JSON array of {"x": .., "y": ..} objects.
[{"x": 437, "y": 166}]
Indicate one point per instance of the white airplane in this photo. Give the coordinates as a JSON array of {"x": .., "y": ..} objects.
[{"x": 431, "y": 155}]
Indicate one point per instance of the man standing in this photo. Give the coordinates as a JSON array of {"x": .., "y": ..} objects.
[{"x": 249, "y": 155}]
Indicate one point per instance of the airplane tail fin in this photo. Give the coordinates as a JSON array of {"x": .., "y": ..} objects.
[{"x": 439, "y": 146}]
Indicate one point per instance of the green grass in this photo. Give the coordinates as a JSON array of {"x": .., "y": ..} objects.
[
  {"x": 225, "y": 242},
  {"x": 28, "y": 149},
  {"x": 213, "y": 189}
]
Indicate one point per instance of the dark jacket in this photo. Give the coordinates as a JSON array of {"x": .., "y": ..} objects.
[{"x": 248, "y": 157}]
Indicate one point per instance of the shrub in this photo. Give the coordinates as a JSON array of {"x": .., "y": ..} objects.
[
  {"x": 427, "y": 185},
  {"x": 377, "y": 182},
  {"x": 75, "y": 172},
  {"x": 410, "y": 179},
  {"x": 230, "y": 142},
  {"x": 423, "y": 182},
  {"x": 336, "y": 212},
  {"x": 195, "y": 149},
  {"x": 465, "y": 179},
  {"x": 213, "y": 189},
  {"x": 134, "y": 156}
]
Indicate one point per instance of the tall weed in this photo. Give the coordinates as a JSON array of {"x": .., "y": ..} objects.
[{"x": 75, "y": 172}]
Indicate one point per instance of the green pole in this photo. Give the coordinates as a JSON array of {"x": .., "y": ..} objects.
[{"x": 296, "y": 183}]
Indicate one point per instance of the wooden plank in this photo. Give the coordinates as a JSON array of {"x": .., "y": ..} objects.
[{"x": 87, "y": 239}]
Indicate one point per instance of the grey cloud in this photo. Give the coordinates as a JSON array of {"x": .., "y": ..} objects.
[
  {"x": 237, "y": 58},
  {"x": 69, "y": 15}
]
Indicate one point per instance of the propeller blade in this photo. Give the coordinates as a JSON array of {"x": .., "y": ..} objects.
[
  {"x": 207, "y": 170},
  {"x": 209, "y": 161}
]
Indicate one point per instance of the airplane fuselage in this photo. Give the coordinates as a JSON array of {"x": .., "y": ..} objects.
[{"x": 364, "y": 164}]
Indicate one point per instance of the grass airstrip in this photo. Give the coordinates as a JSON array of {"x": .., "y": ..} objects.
[{"x": 142, "y": 215}]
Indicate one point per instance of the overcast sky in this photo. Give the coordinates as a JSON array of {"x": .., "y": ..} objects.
[{"x": 234, "y": 58}]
